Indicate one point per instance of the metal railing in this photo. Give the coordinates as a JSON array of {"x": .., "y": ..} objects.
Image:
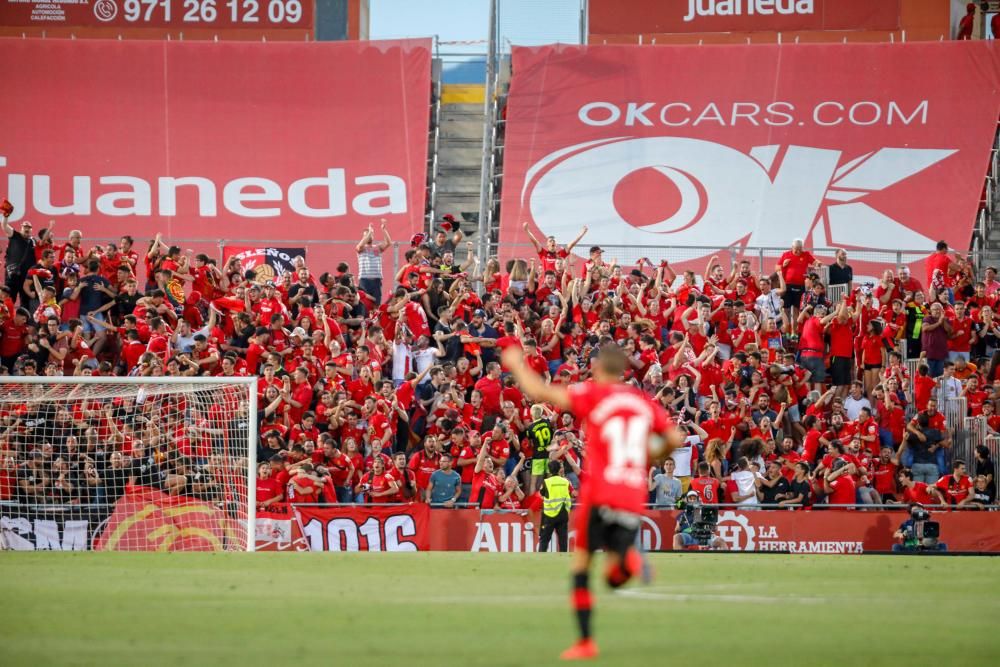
[{"x": 77, "y": 507}]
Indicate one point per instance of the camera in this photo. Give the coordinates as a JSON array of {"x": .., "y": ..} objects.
[
  {"x": 704, "y": 521},
  {"x": 926, "y": 532}
]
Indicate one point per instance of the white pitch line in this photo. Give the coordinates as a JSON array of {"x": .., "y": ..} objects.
[{"x": 653, "y": 594}]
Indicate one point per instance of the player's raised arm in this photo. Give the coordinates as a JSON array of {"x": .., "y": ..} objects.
[{"x": 531, "y": 383}]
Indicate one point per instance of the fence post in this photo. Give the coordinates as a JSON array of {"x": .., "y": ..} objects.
[
  {"x": 760, "y": 260},
  {"x": 395, "y": 259},
  {"x": 899, "y": 261}
]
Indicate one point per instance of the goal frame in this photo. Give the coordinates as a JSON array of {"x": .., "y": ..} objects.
[{"x": 252, "y": 404}]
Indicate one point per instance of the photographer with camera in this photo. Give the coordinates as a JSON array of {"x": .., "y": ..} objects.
[
  {"x": 696, "y": 525},
  {"x": 918, "y": 533}
]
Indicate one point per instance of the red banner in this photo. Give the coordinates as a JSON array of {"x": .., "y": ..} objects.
[
  {"x": 148, "y": 520},
  {"x": 212, "y": 14},
  {"x": 636, "y": 17},
  {"x": 251, "y": 141},
  {"x": 734, "y": 146},
  {"x": 367, "y": 528},
  {"x": 358, "y": 528},
  {"x": 797, "y": 532}
]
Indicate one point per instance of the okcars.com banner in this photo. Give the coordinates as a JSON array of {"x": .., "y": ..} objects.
[
  {"x": 859, "y": 145},
  {"x": 237, "y": 140}
]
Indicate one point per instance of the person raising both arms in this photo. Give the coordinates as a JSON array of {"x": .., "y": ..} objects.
[
  {"x": 550, "y": 252},
  {"x": 622, "y": 426}
]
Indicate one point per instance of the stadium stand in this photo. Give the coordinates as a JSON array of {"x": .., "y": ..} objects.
[{"x": 903, "y": 375}]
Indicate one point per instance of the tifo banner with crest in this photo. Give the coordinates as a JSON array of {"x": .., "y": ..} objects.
[
  {"x": 146, "y": 519},
  {"x": 267, "y": 263},
  {"x": 735, "y": 146}
]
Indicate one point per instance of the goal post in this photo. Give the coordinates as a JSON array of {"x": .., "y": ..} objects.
[{"x": 128, "y": 463}]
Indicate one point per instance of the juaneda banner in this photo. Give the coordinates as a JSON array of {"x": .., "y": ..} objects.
[
  {"x": 416, "y": 528},
  {"x": 730, "y": 146},
  {"x": 614, "y": 17},
  {"x": 235, "y": 140}
]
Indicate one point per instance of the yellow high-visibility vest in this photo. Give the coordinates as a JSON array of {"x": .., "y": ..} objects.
[{"x": 558, "y": 496}]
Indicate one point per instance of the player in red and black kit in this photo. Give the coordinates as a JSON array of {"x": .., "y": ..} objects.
[{"x": 621, "y": 426}]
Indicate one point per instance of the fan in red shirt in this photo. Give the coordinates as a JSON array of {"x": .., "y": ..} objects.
[
  {"x": 550, "y": 252},
  {"x": 918, "y": 492},
  {"x": 270, "y": 492},
  {"x": 425, "y": 462},
  {"x": 621, "y": 424},
  {"x": 839, "y": 485},
  {"x": 706, "y": 486},
  {"x": 378, "y": 485},
  {"x": 956, "y": 487}
]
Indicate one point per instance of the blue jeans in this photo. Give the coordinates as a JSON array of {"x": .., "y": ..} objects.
[
  {"x": 936, "y": 367},
  {"x": 885, "y": 438},
  {"x": 925, "y": 472}
]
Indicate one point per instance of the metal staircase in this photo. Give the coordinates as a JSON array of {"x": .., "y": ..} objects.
[{"x": 986, "y": 237}]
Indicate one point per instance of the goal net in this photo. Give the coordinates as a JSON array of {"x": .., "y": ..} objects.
[{"x": 127, "y": 464}]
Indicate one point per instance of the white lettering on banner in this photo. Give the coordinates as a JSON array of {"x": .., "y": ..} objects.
[
  {"x": 739, "y": 535},
  {"x": 829, "y": 113},
  {"x": 504, "y": 537},
  {"x": 726, "y": 197},
  {"x": 747, "y": 7},
  {"x": 140, "y": 196},
  {"x": 345, "y": 534},
  {"x": 249, "y": 196},
  {"x": 17, "y": 534}
]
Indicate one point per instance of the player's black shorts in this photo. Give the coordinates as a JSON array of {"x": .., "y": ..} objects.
[{"x": 605, "y": 528}]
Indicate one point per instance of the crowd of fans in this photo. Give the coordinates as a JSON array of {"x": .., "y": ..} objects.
[{"x": 398, "y": 395}]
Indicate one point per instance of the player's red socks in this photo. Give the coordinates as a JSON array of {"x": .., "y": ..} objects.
[
  {"x": 633, "y": 561},
  {"x": 582, "y": 602},
  {"x": 618, "y": 575}
]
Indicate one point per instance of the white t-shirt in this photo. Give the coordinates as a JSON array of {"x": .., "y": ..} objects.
[
  {"x": 852, "y": 406},
  {"x": 401, "y": 361},
  {"x": 745, "y": 484},
  {"x": 423, "y": 359},
  {"x": 682, "y": 457}
]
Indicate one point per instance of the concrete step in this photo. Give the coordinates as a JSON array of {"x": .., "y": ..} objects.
[
  {"x": 460, "y": 205},
  {"x": 458, "y": 179},
  {"x": 460, "y": 155},
  {"x": 459, "y": 109},
  {"x": 462, "y": 127}
]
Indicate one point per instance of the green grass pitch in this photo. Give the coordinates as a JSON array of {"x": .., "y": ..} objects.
[{"x": 492, "y": 609}]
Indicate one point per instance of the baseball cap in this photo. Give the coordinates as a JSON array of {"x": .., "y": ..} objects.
[
  {"x": 299, "y": 331},
  {"x": 691, "y": 493},
  {"x": 479, "y": 313},
  {"x": 595, "y": 248}
]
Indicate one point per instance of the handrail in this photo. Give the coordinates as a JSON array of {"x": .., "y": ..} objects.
[{"x": 735, "y": 506}]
